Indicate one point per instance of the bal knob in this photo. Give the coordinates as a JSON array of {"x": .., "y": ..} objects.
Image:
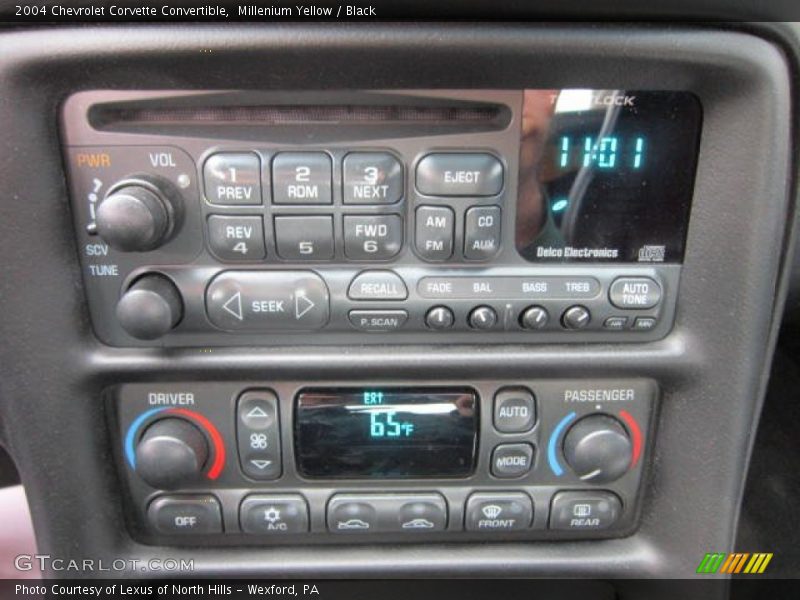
[
  {"x": 136, "y": 215},
  {"x": 150, "y": 308},
  {"x": 171, "y": 452},
  {"x": 598, "y": 449}
]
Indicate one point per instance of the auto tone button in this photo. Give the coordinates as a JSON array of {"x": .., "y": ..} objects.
[
  {"x": 267, "y": 301},
  {"x": 634, "y": 292}
]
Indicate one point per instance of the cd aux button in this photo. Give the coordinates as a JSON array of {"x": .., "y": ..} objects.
[
  {"x": 377, "y": 285},
  {"x": 482, "y": 232}
]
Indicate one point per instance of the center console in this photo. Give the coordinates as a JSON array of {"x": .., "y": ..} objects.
[{"x": 437, "y": 300}]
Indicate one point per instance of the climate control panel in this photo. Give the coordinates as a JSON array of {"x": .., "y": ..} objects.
[{"x": 271, "y": 463}]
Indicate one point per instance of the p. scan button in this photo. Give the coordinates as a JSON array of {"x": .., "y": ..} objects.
[{"x": 268, "y": 301}]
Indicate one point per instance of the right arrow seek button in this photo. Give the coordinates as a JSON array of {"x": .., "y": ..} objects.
[{"x": 268, "y": 301}]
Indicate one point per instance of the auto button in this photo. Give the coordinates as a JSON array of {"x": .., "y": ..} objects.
[{"x": 268, "y": 301}]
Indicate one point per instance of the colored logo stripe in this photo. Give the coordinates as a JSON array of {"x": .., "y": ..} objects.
[
  {"x": 735, "y": 563},
  {"x": 711, "y": 562}
]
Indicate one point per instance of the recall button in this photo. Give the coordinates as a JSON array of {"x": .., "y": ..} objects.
[
  {"x": 378, "y": 320},
  {"x": 377, "y": 285},
  {"x": 634, "y": 292}
]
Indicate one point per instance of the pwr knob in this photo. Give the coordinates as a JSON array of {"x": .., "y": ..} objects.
[
  {"x": 171, "y": 452},
  {"x": 598, "y": 449},
  {"x": 137, "y": 214}
]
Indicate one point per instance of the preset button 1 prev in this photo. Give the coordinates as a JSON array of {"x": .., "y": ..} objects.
[{"x": 268, "y": 301}]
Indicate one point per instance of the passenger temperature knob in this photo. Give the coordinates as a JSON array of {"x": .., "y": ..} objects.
[
  {"x": 137, "y": 214},
  {"x": 598, "y": 449},
  {"x": 171, "y": 452}
]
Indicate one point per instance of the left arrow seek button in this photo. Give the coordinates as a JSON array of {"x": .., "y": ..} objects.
[{"x": 268, "y": 301}]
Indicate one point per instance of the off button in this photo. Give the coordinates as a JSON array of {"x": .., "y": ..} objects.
[{"x": 192, "y": 514}]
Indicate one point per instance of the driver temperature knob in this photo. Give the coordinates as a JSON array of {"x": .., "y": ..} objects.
[
  {"x": 170, "y": 453},
  {"x": 138, "y": 214},
  {"x": 598, "y": 449}
]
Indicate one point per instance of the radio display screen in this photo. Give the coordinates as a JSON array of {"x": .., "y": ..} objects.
[
  {"x": 606, "y": 175},
  {"x": 386, "y": 433}
]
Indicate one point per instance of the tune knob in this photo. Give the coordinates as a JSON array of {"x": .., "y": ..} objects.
[
  {"x": 171, "y": 452},
  {"x": 150, "y": 308},
  {"x": 137, "y": 214},
  {"x": 598, "y": 449}
]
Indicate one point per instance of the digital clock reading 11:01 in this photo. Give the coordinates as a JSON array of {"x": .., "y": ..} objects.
[
  {"x": 384, "y": 423},
  {"x": 607, "y": 152}
]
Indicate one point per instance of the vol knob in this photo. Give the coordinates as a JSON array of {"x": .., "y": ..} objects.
[
  {"x": 137, "y": 214},
  {"x": 171, "y": 452},
  {"x": 150, "y": 308},
  {"x": 598, "y": 449}
]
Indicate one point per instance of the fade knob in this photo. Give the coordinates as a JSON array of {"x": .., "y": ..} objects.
[
  {"x": 137, "y": 214},
  {"x": 171, "y": 452},
  {"x": 150, "y": 308},
  {"x": 598, "y": 449}
]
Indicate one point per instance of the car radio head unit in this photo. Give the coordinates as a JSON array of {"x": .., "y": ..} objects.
[{"x": 240, "y": 218}]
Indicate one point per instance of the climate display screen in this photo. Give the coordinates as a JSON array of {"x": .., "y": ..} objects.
[
  {"x": 386, "y": 432},
  {"x": 606, "y": 175}
]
